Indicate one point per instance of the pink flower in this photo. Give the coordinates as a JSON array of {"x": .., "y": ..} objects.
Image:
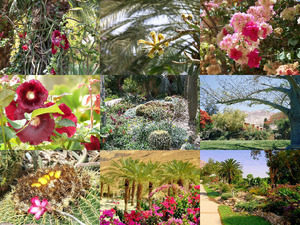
[
  {"x": 235, "y": 54},
  {"x": 38, "y": 208},
  {"x": 251, "y": 30},
  {"x": 1, "y": 34},
  {"x": 56, "y": 38},
  {"x": 254, "y": 59},
  {"x": 25, "y": 47}
]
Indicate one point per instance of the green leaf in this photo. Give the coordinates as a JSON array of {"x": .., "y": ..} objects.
[
  {"x": 6, "y": 97},
  {"x": 281, "y": 56},
  {"x": 27, "y": 116},
  {"x": 298, "y": 53},
  {"x": 17, "y": 124},
  {"x": 52, "y": 109},
  {"x": 66, "y": 123},
  {"x": 9, "y": 134},
  {"x": 94, "y": 131},
  {"x": 289, "y": 56},
  {"x": 293, "y": 41}
]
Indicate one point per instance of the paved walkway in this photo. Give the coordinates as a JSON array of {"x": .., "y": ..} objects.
[{"x": 209, "y": 214}]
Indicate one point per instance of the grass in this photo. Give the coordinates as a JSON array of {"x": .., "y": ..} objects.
[
  {"x": 245, "y": 145},
  {"x": 211, "y": 193},
  {"x": 233, "y": 218}
]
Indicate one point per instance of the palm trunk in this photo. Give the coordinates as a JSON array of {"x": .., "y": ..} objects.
[
  {"x": 139, "y": 196},
  {"x": 192, "y": 97},
  {"x": 101, "y": 189},
  {"x": 132, "y": 192},
  {"x": 180, "y": 182},
  {"x": 126, "y": 193},
  {"x": 108, "y": 191},
  {"x": 150, "y": 190}
]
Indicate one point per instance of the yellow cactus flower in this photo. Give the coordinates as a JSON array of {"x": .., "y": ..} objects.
[
  {"x": 36, "y": 185},
  {"x": 156, "y": 39},
  {"x": 51, "y": 174},
  {"x": 47, "y": 177},
  {"x": 42, "y": 180},
  {"x": 57, "y": 174}
]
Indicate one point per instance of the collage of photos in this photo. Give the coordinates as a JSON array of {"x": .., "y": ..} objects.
[
  {"x": 249, "y": 112},
  {"x": 49, "y": 112}
]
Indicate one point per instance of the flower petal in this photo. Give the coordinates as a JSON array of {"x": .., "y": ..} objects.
[
  {"x": 145, "y": 42},
  {"x": 44, "y": 203},
  {"x": 33, "y": 209}
]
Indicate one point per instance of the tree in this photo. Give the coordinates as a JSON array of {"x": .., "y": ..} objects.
[
  {"x": 278, "y": 92},
  {"x": 230, "y": 169},
  {"x": 249, "y": 177},
  {"x": 266, "y": 125},
  {"x": 231, "y": 120},
  {"x": 102, "y": 99}
]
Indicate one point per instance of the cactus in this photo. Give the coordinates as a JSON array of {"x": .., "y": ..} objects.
[
  {"x": 168, "y": 99},
  {"x": 10, "y": 165},
  {"x": 85, "y": 208},
  {"x": 149, "y": 109},
  {"x": 160, "y": 139}
]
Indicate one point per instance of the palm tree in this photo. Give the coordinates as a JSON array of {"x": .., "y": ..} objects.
[
  {"x": 119, "y": 51},
  {"x": 108, "y": 180},
  {"x": 180, "y": 171},
  {"x": 229, "y": 169},
  {"x": 120, "y": 169}
]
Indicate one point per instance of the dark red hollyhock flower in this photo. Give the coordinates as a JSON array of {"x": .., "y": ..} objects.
[
  {"x": 31, "y": 95},
  {"x": 66, "y": 42},
  {"x": 94, "y": 145},
  {"x": 53, "y": 72},
  {"x": 53, "y": 48},
  {"x": 25, "y": 47},
  {"x": 56, "y": 38},
  {"x": 38, "y": 130},
  {"x": 70, "y": 131}
]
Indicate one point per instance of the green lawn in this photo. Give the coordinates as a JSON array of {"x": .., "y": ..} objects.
[
  {"x": 245, "y": 145},
  {"x": 211, "y": 193},
  {"x": 232, "y": 218}
]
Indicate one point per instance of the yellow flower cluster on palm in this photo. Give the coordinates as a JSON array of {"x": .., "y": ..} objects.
[
  {"x": 156, "y": 39},
  {"x": 46, "y": 178}
]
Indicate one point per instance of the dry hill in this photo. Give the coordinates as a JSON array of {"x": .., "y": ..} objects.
[{"x": 145, "y": 155}]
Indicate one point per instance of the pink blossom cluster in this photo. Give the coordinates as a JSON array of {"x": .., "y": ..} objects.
[{"x": 249, "y": 29}]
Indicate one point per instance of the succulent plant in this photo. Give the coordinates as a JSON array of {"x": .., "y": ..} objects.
[
  {"x": 160, "y": 139},
  {"x": 69, "y": 191},
  {"x": 168, "y": 99},
  {"x": 149, "y": 109}
]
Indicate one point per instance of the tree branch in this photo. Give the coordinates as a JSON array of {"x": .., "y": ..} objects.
[{"x": 274, "y": 105}]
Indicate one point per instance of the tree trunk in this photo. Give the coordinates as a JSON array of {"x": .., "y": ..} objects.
[
  {"x": 150, "y": 190},
  {"x": 126, "y": 193},
  {"x": 7, "y": 28},
  {"x": 139, "y": 196},
  {"x": 101, "y": 189},
  {"x": 108, "y": 191},
  {"x": 132, "y": 192},
  {"x": 295, "y": 130},
  {"x": 180, "y": 182},
  {"x": 192, "y": 97}
]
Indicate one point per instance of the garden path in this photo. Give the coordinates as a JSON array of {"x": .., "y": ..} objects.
[
  {"x": 107, "y": 204},
  {"x": 209, "y": 214}
]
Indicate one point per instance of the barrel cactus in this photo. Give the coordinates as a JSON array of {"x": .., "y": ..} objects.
[
  {"x": 149, "y": 109},
  {"x": 160, "y": 139}
]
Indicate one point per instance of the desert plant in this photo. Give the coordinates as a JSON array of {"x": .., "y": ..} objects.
[{"x": 160, "y": 139}]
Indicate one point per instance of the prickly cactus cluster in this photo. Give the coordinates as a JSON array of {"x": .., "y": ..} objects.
[
  {"x": 160, "y": 139},
  {"x": 150, "y": 108},
  {"x": 59, "y": 185}
]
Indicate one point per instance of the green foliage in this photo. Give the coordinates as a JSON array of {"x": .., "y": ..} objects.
[
  {"x": 231, "y": 120},
  {"x": 131, "y": 86},
  {"x": 160, "y": 139},
  {"x": 226, "y": 196},
  {"x": 6, "y": 97},
  {"x": 248, "y": 206}
]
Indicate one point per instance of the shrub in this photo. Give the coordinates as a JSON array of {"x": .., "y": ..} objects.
[
  {"x": 168, "y": 99},
  {"x": 226, "y": 196},
  {"x": 263, "y": 191},
  {"x": 160, "y": 139},
  {"x": 154, "y": 109},
  {"x": 248, "y": 206},
  {"x": 224, "y": 188}
]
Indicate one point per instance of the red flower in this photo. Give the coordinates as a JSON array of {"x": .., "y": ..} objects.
[
  {"x": 254, "y": 59},
  {"x": 25, "y": 47},
  {"x": 53, "y": 49},
  {"x": 22, "y": 35},
  {"x": 1, "y": 34},
  {"x": 251, "y": 30},
  {"x": 94, "y": 145},
  {"x": 65, "y": 42},
  {"x": 70, "y": 131},
  {"x": 31, "y": 95},
  {"x": 235, "y": 54},
  {"x": 53, "y": 71},
  {"x": 38, "y": 130},
  {"x": 56, "y": 38}
]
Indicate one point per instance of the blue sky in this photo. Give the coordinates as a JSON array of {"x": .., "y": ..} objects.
[
  {"x": 250, "y": 166},
  {"x": 212, "y": 81}
]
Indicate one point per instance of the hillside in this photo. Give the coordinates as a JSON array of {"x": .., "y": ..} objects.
[{"x": 146, "y": 155}]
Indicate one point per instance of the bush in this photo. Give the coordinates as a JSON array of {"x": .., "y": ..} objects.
[
  {"x": 155, "y": 110},
  {"x": 248, "y": 206},
  {"x": 284, "y": 200},
  {"x": 263, "y": 191},
  {"x": 226, "y": 196},
  {"x": 224, "y": 188},
  {"x": 160, "y": 139}
]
